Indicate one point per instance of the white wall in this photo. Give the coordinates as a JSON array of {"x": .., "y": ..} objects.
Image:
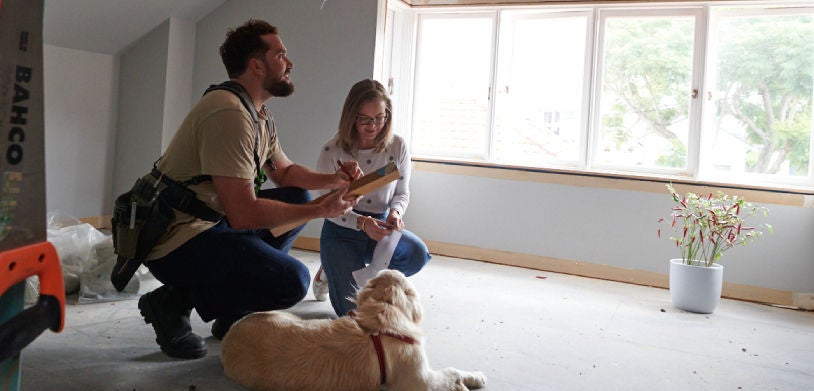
[
  {"x": 80, "y": 119},
  {"x": 88, "y": 138}
]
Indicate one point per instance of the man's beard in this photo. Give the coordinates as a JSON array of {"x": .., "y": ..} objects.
[{"x": 281, "y": 88}]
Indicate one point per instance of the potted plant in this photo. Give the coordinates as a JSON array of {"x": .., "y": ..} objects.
[{"x": 704, "y": 227}]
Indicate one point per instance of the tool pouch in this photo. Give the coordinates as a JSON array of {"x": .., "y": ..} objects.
[{"x": 141, "y": 216}]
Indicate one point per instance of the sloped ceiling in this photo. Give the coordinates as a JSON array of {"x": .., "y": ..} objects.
[{"x": 109, "y": 26}]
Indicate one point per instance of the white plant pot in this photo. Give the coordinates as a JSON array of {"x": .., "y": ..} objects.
[{"x": 695, "y": 288}]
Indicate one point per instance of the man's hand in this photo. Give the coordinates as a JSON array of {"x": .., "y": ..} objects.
[{"x": 334, "y": 205}]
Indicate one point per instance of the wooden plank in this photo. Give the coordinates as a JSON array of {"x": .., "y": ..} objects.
[
  {"x": 731, "y": 290},
  {"x": 785, "y": 195},
  {"x": 361, "y": 186},
  {"x": 98, "y": 222},
  {"x": 604, "y": 272}
]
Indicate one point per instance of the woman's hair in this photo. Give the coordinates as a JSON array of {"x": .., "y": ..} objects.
[
  {"x": 362, "y": 92},
  {"x": 243, "y": 43}
]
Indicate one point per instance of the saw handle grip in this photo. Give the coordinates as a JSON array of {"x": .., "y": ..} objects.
[
  {"x": 16, "y": 265},
  {"x": 23, "y": 328}
]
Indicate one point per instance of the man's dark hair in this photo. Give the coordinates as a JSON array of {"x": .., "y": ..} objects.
[{"x": 244, "y": 43}]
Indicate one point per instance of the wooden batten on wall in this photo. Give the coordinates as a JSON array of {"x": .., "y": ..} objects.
[
  {"x": 556, "y": 265},
  {"x": 630, "y": 182},
  {"x": 584, "y": 269},
  {"x": 98, "y": 222}
]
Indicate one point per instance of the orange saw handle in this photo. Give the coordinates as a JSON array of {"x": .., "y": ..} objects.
[{"x": 16, "y": 265}]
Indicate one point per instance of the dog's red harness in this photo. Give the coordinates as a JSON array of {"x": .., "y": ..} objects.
[{"x": 377, "y": 343}]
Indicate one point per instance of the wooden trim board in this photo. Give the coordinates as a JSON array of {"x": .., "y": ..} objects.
[
  {"x": 536, "y": 262},
  {"x": 305, "y": 243},
  {"x": 98, "y": 222},
  {"x": 584, "y": 269},
  {"x": 790, "y": 197},
  {"x": 361, "y": 186}
]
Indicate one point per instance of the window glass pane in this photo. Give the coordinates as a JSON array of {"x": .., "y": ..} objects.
[
  {"x": 453, "y": 66},
  {"x": 539, "y": 104},
  {"x": 762, "y": 100},
  {"x": 646, "y": 93}
]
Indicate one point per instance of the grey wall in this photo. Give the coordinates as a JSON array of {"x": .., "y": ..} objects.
[
  {"x": 331, "y": 49},
  {"x": 596, "y": 225},
  {"x": 180, "y": 62},
  {"x": 155, "y": 80},
  {"x": 142, "y": 87}
]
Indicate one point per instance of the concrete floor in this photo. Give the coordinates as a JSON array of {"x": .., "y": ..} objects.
[{"x": 525, "y": 329}]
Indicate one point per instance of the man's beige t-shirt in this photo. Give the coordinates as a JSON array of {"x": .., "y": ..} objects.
[{"x": 216, "y": 138}]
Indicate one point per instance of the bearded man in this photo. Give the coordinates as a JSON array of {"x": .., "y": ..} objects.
[{"x": 227, "y": 268}]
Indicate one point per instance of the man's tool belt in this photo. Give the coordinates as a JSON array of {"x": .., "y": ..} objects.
[{"x": 142, "y": 215}]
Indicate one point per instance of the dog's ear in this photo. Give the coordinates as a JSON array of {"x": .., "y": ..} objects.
[
  {"x": 414, "y": 309},
  {"x": 389, "y": 302}
]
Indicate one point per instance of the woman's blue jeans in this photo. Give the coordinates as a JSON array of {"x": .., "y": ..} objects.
[
  {"x": 225, "y": 272},
  {"x": 343, "y": 250}
]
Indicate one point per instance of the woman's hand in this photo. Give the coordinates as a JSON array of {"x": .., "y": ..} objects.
[
  {"x": 394, "y": 220},
  {"x": 349, "y": 171},
  {"x": 375, "y": 229},
  {"x": 345, "y": 174}
]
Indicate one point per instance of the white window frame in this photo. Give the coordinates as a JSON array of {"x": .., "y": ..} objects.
[
  {"x": 710, "y": 80},
  {"x": 512, "y": 15},
  {"x": 490, "y": 14},
  {"x": 693, "y": 143},
  {"x": 403, "y": 61}
]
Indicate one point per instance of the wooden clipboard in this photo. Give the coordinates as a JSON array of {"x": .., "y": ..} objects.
[{"x": 361, "y": 186}]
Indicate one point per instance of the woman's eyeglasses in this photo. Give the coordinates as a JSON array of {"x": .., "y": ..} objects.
[{"x": 367, "y": 121}]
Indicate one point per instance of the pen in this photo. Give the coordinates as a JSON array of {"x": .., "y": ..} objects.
[{"x": 342, "y": 166}]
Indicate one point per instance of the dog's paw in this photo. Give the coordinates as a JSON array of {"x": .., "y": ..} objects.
[{"x": 474, "y": 379}]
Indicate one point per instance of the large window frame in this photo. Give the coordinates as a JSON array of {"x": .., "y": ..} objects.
[
  {"x": 695, "y": 107},
  {"x": 400, "y": 68}
]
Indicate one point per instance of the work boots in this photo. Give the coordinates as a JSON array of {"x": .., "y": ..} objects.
[
  {"x": 222, "y": 324},
  {"x": 168, "y": 311}
]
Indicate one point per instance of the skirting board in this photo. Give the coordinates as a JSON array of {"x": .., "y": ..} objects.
[
  {"x": 585, "y": 269},
  {"x": 98, "y": 222},
  {"x": 578, "y": 268}
]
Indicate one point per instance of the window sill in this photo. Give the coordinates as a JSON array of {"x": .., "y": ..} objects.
[{"x": 609, "y": 180}]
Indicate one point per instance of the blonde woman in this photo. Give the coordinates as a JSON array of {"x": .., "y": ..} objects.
[{"x": 365, "y": 138}]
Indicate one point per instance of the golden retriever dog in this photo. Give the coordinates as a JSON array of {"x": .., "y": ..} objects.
[{"x": 277, "y": 350}]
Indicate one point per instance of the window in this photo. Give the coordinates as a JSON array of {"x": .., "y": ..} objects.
[
  {"x": 540, "y": 96},
  {"x": 452, "y": 79},
  {"x": 712, "y": 92},
  {"x": 644, "y": 99},
  {"x": 759, "y": 121}
]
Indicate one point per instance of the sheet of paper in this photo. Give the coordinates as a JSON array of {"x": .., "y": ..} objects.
[{"x": 381, "y": 259}]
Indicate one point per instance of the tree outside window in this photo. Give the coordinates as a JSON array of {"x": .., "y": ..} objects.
[{"x": 762, "y": 102}]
